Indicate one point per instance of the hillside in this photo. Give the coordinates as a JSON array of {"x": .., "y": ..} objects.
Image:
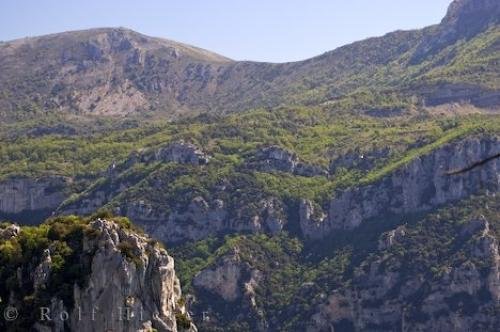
[
  {"x": 116, "y": 72},
  {"x": 354, "y": 191}
]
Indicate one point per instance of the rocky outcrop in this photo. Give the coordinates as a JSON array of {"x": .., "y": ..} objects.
[
  {"x": 202, "y": 219},
  {"x": 23, "y": 194},
  {"x": 199, "y": 220},
  {"x": 235, "y": 282},
  {"x": 465, "y": 18},
  {"x": 390, "y": 238},
  {"x": 277, "y": 159},
  {"x": 445, "y": 93},
  {"x": 183, "y": 153},
  {"x": 423, "y": 184},
  {"x": 177, "y": 152},
  {"x": 312, "y": 219},
  {"x": 361, "y": 160},
  {"x": 481, "y": 12},
  {"x": 41, "y": 274},
  {"x": 9, "y": 231},
  {"x": 131, "y": 286},
  {"x": 464, "y": 297},
  {"x": 145, "y": 285},
  {"x": 224, "y": 279}
]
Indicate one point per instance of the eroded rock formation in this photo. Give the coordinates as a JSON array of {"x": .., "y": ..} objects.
[
  {"x": 421, "y": 185},
  {"x": 131, "y": 286}
]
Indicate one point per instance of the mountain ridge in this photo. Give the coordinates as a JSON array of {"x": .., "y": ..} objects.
[
  {"x": 118, "y": 72},
  {"x": 355, "y": 191}
]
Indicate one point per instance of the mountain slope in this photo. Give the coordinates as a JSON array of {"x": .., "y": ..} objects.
[
  {"x": 361, "y": 194},
  {"x": 100, "y": 71},
  {"x": 119, "y": 72}
]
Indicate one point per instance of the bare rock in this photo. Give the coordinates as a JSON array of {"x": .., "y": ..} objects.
[
  {"x": 423, "y": 184},
  {"x": 277, "y": 159},
  {"x": 131, "y": 286},
  {"x": 28, "y": 194},
  {"x": 183, "y": 153},
  {"x": 41, "y": 274},
  {"x": 224, "y": 279},
  {"x": 388, "y": 239},
  {"x": 312, "y": 219},
  {"x": 9, "y": 232}
]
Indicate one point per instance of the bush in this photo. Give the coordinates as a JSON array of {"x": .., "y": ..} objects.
[{"x": 183, "y": 322}]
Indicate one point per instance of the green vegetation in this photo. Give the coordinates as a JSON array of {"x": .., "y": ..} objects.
[
  {"x": 295, "y": 274},
  {"x": 183, "y": 322},
  {"x": 18, "y": 256},
  {"x": 330, "y": 113},
  {"x": 316, "y": 135},
  {"x": 69, "y": 263}
]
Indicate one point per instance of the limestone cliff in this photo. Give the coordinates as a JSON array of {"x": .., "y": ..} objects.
[
  {"x": 462, "y": 296},
  {"x": 423, "y": 184},
  {"x": 129, "y": 283},
  {"x": 22, "y": 194},
  {"x": 145, "y": 287}
]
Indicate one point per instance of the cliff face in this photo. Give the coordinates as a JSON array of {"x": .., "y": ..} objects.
[
  {"x": 218, "y": 213},
  {"x": 146, "y": 289},
  {"x": 464, "y": 19},
  {"x": 423, "y": 184},
  {"x": 130, "y": 285},
  {"x": 19, "y": 195},
  {"x": 384, "y": 295},
  {"x": 202, "y": 219},
  {"x": 436, "y": 273},
  {"x": 478, "y": 13}
]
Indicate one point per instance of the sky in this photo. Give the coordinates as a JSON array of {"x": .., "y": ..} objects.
[{"x": 258, "y": 30}]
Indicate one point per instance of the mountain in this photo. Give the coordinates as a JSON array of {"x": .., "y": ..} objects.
[
  {"x": 354, "y": 191},
  {"x": 118, "y": 72},
  {"x": 464, "y": 20},
  {"x": 100, "y": 71},
  {"x": 55, "y": 271}
]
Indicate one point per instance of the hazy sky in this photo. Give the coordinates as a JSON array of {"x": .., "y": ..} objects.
[{"x": 262, "y": 30}]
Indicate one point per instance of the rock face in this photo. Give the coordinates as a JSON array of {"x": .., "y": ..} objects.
[
  {"x": 361, "y": 160},
  {"x": 224, "y": 280},
  {"x": 202, "y": 219},
  {"x": 443, "y": 93},
  {"x": 392, "y": 237},
  {"x": 19, "y": 195},
  {"x": 9, "y": 232},
  {"x": 234, "y": 281},
  {"x": 312, "y": 219},
  {"x": 277, "y": 159},
  {"x": 481, "y": 13},
  {"x": 462, "y": 298},
  {"x": 178, "y": 152},
  {"x": 465, "y": 18},
  {"x": 421, "y": 185},
  {"x": 132, "y": 285},
  {"x": 183, "y": 153}
]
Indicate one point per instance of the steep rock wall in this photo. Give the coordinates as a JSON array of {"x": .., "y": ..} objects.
[{"x": 423, "y": 184}]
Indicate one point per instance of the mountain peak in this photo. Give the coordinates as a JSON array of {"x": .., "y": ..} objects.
[
  {"x": 464, "y": 20},
  {"x": 472, "y": 15},
  {"x": 118, "y": 39}
]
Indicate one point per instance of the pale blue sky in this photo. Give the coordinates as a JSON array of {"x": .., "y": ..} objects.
[{"x": 261, "y": 30}]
